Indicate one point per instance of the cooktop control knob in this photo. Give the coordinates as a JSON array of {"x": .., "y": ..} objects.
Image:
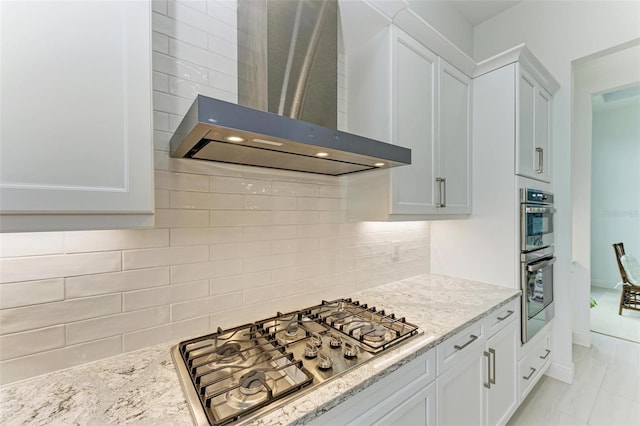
[
  {"x": 349, "y": 350},
  {"x": 335, "y": 341},
  {"x": 324, "y": 361},
  {"x": 316, "y": 339},
  {"x": 311, "y": 350}
]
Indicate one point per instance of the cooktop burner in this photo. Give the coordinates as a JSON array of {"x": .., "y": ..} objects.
[{"x": 238, "y": 374}]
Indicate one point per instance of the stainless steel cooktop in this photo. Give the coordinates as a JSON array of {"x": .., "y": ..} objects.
[{"x": 238, "y": 374}]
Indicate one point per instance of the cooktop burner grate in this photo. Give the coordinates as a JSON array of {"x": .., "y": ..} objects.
[{"x": 236, "y": 374}]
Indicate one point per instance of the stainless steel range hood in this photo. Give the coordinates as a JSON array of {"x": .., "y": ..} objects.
[{"x": 221, "y": 131}]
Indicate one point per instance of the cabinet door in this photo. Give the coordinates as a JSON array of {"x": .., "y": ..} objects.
[
  {"x": 454, "y": 140},
  {"x": 414, "y": 74},
  {"x": 419, "y": 409},
  {"x": 76, "y": 123},
  {"x": 542, "y": 135},
  {"x": 460, "y": 392},
  {"x": 525, "y": 125},
  {"x": 502, "y": 396}
]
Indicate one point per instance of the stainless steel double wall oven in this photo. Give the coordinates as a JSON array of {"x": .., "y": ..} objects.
[{"x": 536, "y": 260}]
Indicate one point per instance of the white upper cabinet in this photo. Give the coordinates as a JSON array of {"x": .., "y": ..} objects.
[
  {"x": 533, "y": 148},
  {"x": 534, "y": 87},
  {"x": 454, "y": 141},
  {"x": 398, "y": 91},
  {"x": 76, "y": 133}
]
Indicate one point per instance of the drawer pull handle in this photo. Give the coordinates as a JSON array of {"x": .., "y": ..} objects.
[
  {"x": 459, "y": 348},
  {"x": 533, "y": 370},
  {"x": 488, "y": 384},
  {"x": 545, "y": 355},
  {"x": 493, "y": 353},
  {"x": 509, "y": 313}
]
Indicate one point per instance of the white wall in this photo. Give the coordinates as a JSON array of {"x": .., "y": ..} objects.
[
  {"x": 615, "y": 191},
  {"x": 559, "y": 32},
  {"x": 231, "y": 244},
  {"x": 447, "y": 20}
]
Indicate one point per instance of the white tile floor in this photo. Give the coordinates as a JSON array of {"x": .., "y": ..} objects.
[{"x": 605, "y": 391}]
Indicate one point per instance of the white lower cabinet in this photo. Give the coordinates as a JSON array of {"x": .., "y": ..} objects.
[
  {"x": 535, "y": 360},
  {"x": 502, "y": 397},
  {"x": 475, "y": 382},
  {"x": 405, "y": 397},
  {"x": 476, "y": 375}
]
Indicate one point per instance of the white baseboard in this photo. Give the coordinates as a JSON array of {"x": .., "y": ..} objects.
[
  {"x": 563, "y": 373},
  {"x": 582, "y": 339}
]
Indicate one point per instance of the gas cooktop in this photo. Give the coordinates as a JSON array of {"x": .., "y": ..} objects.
[{"x": 238, "y": 374}]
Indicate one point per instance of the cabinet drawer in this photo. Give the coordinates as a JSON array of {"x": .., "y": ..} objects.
[
  {"x": 468, "y": 340},
  {"x": 533, "y": 365},
  {"x": 499, "y": 318}
]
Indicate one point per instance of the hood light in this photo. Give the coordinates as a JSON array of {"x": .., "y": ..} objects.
[
  {"x": 234, "y": 139},
  {"x": 267, "y": 142},
  {"x": 379, "y": 164},
  {"x": 322, "y": 154}
]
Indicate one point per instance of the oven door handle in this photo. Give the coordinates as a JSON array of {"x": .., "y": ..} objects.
[
  {"x": 541, "y": 265},
  {"x": 543, "y": 210}
]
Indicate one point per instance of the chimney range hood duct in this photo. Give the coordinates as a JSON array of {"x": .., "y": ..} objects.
[{"x": 221, "y": 131}]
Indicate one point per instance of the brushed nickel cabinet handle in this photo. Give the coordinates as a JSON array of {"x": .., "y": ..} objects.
[
  {"x": 509, "y": 313},
  {"x": 442, "y": 196},
  {"x": 540, "y": 153},
  {"x": 473, "y": 338},
  {"x": 488, "y": 384},
  {"x": 533, "y": 370},
  {"x": 492, "y": 379},
  {"x": 546, "y": 354}
]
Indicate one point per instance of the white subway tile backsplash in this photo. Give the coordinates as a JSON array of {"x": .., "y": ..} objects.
[
  {"x": 239, "y": 282},
  {"x": 198, "y": 236},
  {"x": 162, "y": 200},
  {"x": 240, "y": 218},
  {"x": 166, "y": 295},
  {"x": 181, "y": 218},
  {"x": 88, "y": 241},
  {"x": 48, "y": 314},
  {"x": 31, "y": 293},
  {"x": 181, "y": 181},
  {"x": 295, "y": 217},
  {"x": 159, "y": 6},
  {"x": 239, "y": 185},
  {"x": 57, "y": 266},
  {"x": 170, "y": 27},
  {"x": 147, "y": 258},
  {"x": 296, "y": 245},
  {"x": 206, "y": 270},
  {"x": 31, "y": 244},
  {"x": 269, "y": 202},
  {"x": 160, "y": 43},
  {"x": 231, "y": 243},
  {"x": 205, "y": 200},
  {"x": 160, "y": 82},
  {"x": 95, "y": 284},
  {"x": 164, "y": 333},
  {"x": 239, "y": 250},
  {"x": 267, "y": 263},
  {"x": 30, "y": 342},
  {"x": 43, "y": 362},
  {"x": 195, "y": 308},
  {"x": 273, "y": 232},
  {"x": 179, "y": 68},
  {"x": 113, "y": 325}
]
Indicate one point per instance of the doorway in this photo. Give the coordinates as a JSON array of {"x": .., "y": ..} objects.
[{"x": 605, "y": 199}]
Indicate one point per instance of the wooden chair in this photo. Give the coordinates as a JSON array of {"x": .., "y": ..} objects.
[{"x": 630, "y": 295}]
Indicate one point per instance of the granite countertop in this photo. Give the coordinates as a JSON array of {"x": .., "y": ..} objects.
[{"x": 142, "y": 387}]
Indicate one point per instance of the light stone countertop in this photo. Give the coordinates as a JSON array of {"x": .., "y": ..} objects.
[{"x": 142, "y": 387}]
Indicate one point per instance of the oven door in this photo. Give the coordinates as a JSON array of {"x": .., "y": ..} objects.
[
  {"x": 536, "y": 227},
  {"x": 537, "y": 295}
]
